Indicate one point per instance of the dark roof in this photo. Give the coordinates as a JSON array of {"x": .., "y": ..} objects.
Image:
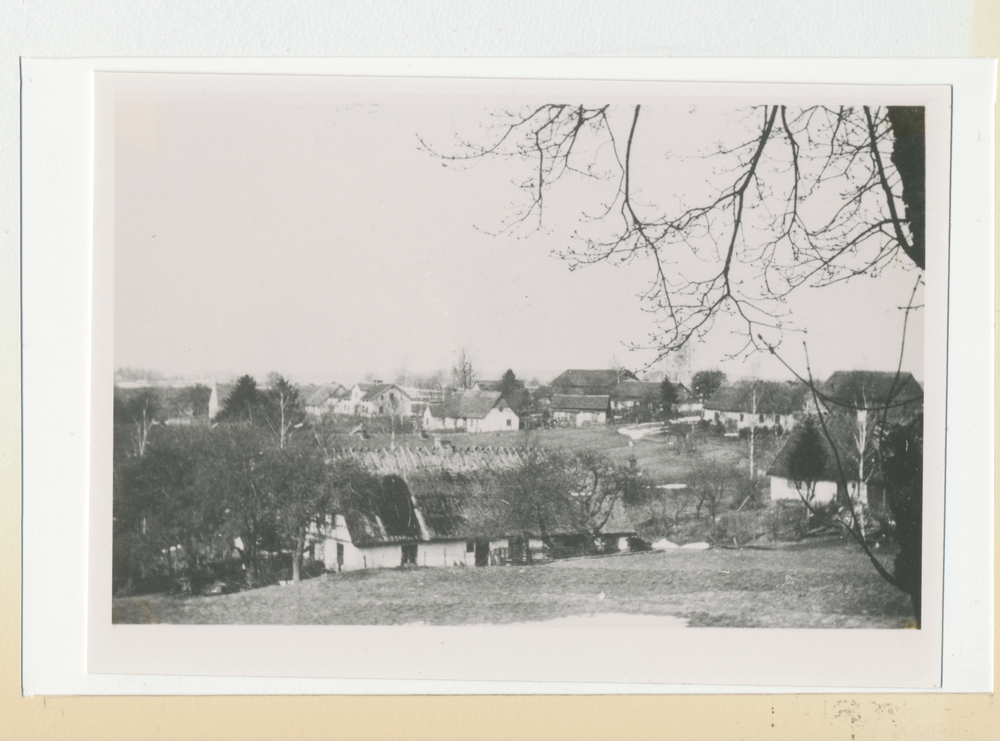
[
  {"x": 872, "y": 389},
  {"x": 644, "y": 391},
  {"x": 469, "y": 405},
  {"x": 376, "y": 389},
  {"x": 319, "y": 395},
  {"x": 464, "y": 506},
  {"x": 770, "y": 397},
  {"x": 446, "y": 502},
  {"x": 489, "y": 385},
  {"x": 385, "y": 515},
  {"x": 580, "y": 403},
  {"x": 439, "y": 504},
  {"x": 595, "y": 381}
]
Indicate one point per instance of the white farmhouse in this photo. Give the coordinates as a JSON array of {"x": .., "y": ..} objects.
[
  {"x": 372, "y": 399},
  {"x": 473, "y": 411}
]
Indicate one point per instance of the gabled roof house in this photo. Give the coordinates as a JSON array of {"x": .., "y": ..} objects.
[
  {"x": 753, "y": 403},
  {"x": 472, "y": 411},
  {"x": 322, "y": 399},
  {"x": 590, "y": 382}
]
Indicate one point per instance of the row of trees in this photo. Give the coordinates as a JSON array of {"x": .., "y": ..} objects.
[
  {"x": 250, "y": 486},
  {"x": 240, "y": 483},
  {"x": 216, "y": 491}
]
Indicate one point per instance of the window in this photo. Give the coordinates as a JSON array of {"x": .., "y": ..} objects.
[
  {"x": 760, "y": 418},
  {"x": 409, "y": 554},
  {"x": 470, "y": 546},
  {"x": 508, "y": 421},
  {"x": 741, "y": 418}
]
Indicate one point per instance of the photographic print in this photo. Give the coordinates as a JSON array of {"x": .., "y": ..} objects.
[{"x": 523, "y": 355}]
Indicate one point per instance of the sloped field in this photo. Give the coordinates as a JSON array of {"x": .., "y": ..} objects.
[{"x": 826, "y": 584}]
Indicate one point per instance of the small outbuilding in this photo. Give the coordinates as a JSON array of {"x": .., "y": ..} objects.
[{"x": 581, "y": 410}]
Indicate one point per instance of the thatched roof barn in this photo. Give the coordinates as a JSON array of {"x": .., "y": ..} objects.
[
  {"x": 861, "y": 389},
  {"x": 762, "y": 397},
  {"x": 455, "y": 502},
  {"x": 590, "y": 382}
]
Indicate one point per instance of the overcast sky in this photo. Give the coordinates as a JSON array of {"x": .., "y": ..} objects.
[{"x": 307, "y": 232}]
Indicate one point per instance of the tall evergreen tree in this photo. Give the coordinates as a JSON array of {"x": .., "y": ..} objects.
[
  {"x": 807, "y": 460},
  {"x": 244, "y": 403},
  {"x": 668, "y": 397}
]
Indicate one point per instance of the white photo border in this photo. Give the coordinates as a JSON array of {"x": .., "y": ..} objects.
[{"x": 615, "y": 69}]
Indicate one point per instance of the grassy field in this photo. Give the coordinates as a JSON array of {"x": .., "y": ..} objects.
[
  {"x": 657, "y": 456},
  {"x": 826, "y": 584}
]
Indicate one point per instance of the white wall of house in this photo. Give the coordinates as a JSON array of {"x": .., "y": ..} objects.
[
  {"x": 744, "y": 420},
  {"x": 691, "y": 407},
  {"x": 430, "y": 422},
  {"x": 390, "y": 401},
  {"x": 444, "y": 553},
  {"x": 351, "y": 403},
  {"x": 432, "y": 554},
  {"x": 826, "y": 491},
  {"x": 581, "y": 419},
  {"x": 356, "y": 559},
  {"x": 496, "y": 420}
]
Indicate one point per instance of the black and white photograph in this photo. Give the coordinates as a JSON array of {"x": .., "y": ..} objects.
[{"x": 516, "y": 354}]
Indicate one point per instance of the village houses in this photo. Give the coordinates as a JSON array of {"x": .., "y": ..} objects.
[{"x": 376, "y": 398}]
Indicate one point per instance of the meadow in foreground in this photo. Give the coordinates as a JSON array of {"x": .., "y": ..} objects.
[{"x": 819, "y": 584}]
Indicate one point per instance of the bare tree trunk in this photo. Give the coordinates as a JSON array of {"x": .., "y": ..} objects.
[{"x": 297, "y": 558}]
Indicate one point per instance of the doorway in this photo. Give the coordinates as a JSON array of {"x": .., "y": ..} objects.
[{"x": 482, "y": 552}]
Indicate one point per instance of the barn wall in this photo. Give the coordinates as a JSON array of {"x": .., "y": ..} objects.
[
  {"x": 434, "y": 554},
  {"x": 430, "y": 422},
  {"x": 495, "y": 421},
  {"x": 786, "y": 421},
  {"x": 374, "y": 557},
  {"x": 826, "y": 491},
  {"x": 782, "y": 488},
  {"x": 582, "y": 419},
  {"x": 591, "y": 418},
  {"x": 444, "y": 553}
]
